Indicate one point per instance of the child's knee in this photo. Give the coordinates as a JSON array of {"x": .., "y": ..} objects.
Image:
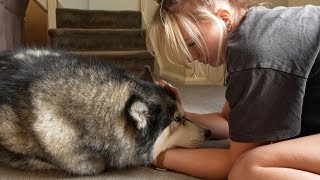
[{"x": 244, "y": 167}]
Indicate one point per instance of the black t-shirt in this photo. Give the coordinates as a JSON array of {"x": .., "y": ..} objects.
[{"x": 270, "y": 57}]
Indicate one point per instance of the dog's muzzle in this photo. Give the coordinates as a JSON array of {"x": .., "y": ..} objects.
[{"x": 207, "y": 133}]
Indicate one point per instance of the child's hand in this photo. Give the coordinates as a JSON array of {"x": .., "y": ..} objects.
[
  {"x": 158, "y": 163},
  {"x": 171, "y": 88}
]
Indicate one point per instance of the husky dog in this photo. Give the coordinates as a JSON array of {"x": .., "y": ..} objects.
[{"x": 72, "y": 113}]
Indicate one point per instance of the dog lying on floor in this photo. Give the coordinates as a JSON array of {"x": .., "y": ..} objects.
[{"x": 72, "y": 113}]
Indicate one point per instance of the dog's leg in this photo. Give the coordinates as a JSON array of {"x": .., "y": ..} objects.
[
  {"x": 64, "y": 144},
  {"x": 23, "y": 162},
  {"x": 79, "y": 164},
  {"x": 84, "y": 165}
]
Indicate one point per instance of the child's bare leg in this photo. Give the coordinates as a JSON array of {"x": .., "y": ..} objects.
[{"x": 291, "y": 159}]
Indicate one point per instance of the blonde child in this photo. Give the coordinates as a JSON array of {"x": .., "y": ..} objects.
[{"x": 271, "y": 112}]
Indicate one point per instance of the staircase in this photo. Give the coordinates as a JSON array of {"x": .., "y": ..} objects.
[{"x": 112, "y": 36}]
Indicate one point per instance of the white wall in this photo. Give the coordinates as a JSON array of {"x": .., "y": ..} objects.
[
  {"x": 115, "y": 4},
  {"x": 135, "y": 4},
  {"x": 277, "y": 2},
  {"x": 75, "y": 4},
  {"x": 102, "y": 4},
  {"x": 304, "y": 2},
  {"x": 43, "y": 3}
]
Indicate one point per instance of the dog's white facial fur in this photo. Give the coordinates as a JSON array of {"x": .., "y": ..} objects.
[{"x": 185, "y": 134}]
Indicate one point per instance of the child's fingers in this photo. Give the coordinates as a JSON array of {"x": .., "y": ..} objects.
[
  {"x": 162, "y": 83},
  {"x": 171, "y": 88},
  {"x": 174, "y": 90}
]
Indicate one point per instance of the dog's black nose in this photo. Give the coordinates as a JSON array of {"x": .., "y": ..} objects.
[{"x": 207, "y": 134}]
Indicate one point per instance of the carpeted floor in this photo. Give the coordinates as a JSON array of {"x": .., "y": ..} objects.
[{"x": 201, "y": 99}]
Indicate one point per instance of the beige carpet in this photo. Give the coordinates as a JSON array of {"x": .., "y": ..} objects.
[{"x": 202, "y": 99}]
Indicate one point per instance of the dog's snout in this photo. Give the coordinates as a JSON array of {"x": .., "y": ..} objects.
[{"x": 207, "y": 134}]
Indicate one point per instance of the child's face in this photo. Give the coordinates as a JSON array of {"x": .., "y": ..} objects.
[{"x": 211, "y": 36}]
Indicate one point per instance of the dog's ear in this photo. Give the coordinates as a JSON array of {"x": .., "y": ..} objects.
[
  {"x": 138, "y": 110},
  {"x": 147, "y": 75}
]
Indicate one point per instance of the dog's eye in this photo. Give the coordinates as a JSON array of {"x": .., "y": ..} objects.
[{"x": 177, "y": 119}]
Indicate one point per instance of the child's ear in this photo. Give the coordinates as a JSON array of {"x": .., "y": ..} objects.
[{"x": 225, "y": 15}]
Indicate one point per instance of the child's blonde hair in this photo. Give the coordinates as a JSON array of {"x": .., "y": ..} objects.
[{"x": 172, "y": 14}]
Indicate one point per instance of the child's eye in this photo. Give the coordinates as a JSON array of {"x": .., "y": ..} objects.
[{"x": 191, "y": 44}]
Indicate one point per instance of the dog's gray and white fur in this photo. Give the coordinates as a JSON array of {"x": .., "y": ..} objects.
[{"x": 83, "y": 116}]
